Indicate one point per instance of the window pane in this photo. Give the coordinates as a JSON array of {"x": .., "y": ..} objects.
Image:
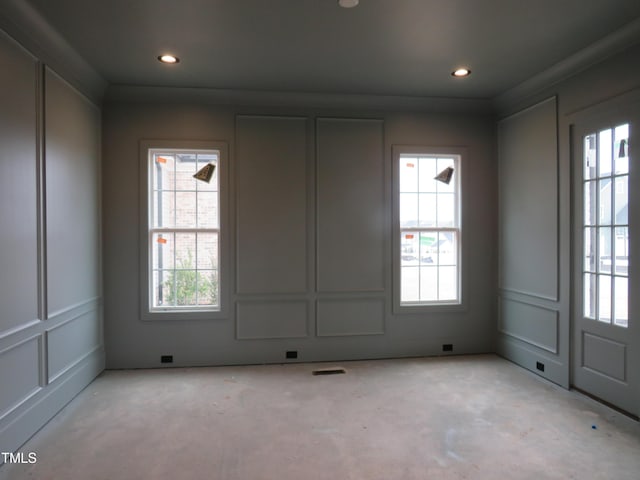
[
  {"x": 207, "y": 281},
  {"x": 409, "y": 249},
  {"x": 442, "y": 164},
  {"x": 604, "y": 298},
  {"x": 622, "y": 250},
  {"x": 408, "y": 210},
  {"x": 428, "y": 283},
  {"x": 590, "y": 203},
  {"x": 410, "y": 284},
  {"x": 621, "y": 149},
  {"x": 163, "y": 209},
  {"x": 448, "y": 248},
  {"x": 604, "y": 250},
  {"x": 208, "y": 216},
  {"x": 163, "y": 173},
  {"x": 186, "y": 209},
  {"x": 204, "y": 160},
  {"x": 590, "y": 156},
  {"x": 427, "y": 209},
  {"x": 446, "y": 210},
  {"x": 183, "y": 265},
  {"x": 605, "y": 201},
  {"x": 185, "y": 250},
  {"x": 448, "y": 283},
  {"x": 162, "y": 250},
  {"x": 425, "y": 206},
  {"x": 428, "y": 248},
  {"x": 163, "y": 288},
  {"x": 409, "y": 174},
  {"x": 427, "y": 173},
  {"x": 589, "y": 289},
  {"x": 207, "y": 249},
  {"x": 621, "y": 317},
  {"x": 604, "y": 152},
  {"x": 621, "y": 201},
  {"x": 185, "y": 287},
  {"x": 185, "y": 169},
  {"x": 589, "y": 249}
]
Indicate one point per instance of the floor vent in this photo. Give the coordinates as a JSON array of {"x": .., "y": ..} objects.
[{"x": 329, "y": 371}]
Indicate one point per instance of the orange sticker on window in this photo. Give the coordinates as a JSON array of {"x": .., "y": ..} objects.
[
  {"x": 408, "y": 237},
  {"x": 161, "y": 160},
  {"x": 162, "y": 240},
  {"x": 410, "y": 165}
]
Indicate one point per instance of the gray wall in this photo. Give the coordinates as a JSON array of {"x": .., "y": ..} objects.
[
  {"x": 309, "y": 234},
  {"x": 50, "y": 283},
  {"x": 535, "y": 211}
]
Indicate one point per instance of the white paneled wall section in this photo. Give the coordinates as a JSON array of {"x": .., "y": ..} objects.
[{"x": 50, "y": 287}]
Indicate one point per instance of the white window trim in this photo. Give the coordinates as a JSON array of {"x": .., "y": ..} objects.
[
  {"x": 146, "y": 311},
  {"x": 435, "y": 306}
]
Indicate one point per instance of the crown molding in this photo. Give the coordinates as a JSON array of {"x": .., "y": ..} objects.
[
  {"x": 597, "y": 52},
  {"x": 258, "y": 98},
  {"x": 28, "y": 27}
]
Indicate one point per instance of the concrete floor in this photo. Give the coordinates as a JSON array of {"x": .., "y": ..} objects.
[{"x": 474, "y": 417}]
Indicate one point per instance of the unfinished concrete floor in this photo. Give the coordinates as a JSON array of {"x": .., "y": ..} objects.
[{"x": 474, "y": 417}]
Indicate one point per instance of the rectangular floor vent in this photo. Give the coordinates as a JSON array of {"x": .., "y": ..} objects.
[{"x": 329, "y": 371}]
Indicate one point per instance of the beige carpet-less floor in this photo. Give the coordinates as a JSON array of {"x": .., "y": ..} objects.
[{"x": 468, "y": 417}]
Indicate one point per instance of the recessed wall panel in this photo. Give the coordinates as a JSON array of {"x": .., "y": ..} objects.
[
  {"x": 18, "y": 187},
  {"x": 72, "y": 152},
  {"x": 351, "y": 206},
  {"x": 604, "y": 355},
  {"x": 271, "y": 179},
  {"x": 528, "y": 203},
  {"x": 70, "y": 342},
  {"x": 19, "y": 374},
  {"x": 535, "y": 325},
  {"x": 272, "y": 319},
  {"x": 350, "y": 317}
]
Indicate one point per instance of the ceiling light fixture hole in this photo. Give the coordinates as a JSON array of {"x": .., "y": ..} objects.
[{"x": 348, "y": 3}]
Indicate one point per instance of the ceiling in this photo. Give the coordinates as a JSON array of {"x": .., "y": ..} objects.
[{"x": 381, "y": 47}]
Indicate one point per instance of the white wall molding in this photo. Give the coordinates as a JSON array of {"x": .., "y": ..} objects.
[
  {"x": 254, "y": 98},
  {"x": 597, "y": 52},
  {"x": 22, "y": 22}
]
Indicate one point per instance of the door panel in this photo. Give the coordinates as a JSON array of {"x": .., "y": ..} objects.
[{"x": 605, "y": 331}]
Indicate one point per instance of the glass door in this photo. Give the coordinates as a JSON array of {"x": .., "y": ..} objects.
[{"x": 605, "y": 338}]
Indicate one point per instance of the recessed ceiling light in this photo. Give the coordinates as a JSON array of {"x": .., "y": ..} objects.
[
  {"x": 348, "y": 3},
  {"x": 461, "y": 72},
  {"x": 168, "y": 58}
]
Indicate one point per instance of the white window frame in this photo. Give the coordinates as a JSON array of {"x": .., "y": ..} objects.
[
  {"x": 459, "y": 154},
  {"x": 147, "y": 148}
]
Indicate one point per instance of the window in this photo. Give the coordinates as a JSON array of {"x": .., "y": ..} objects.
[
  {"x": 429, "y": 228},
  {"x": 606, "y": 226},
  {"x": 183, "y": 234}
]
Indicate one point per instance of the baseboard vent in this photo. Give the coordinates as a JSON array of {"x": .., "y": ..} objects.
[
  {"x": 540, "y": 366},
  {"x": 447, "y": 347},
  {"x": 166, "y": 359},
  {"x": 291, "y": 354},
  {"x": 329, "y": 371}
]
